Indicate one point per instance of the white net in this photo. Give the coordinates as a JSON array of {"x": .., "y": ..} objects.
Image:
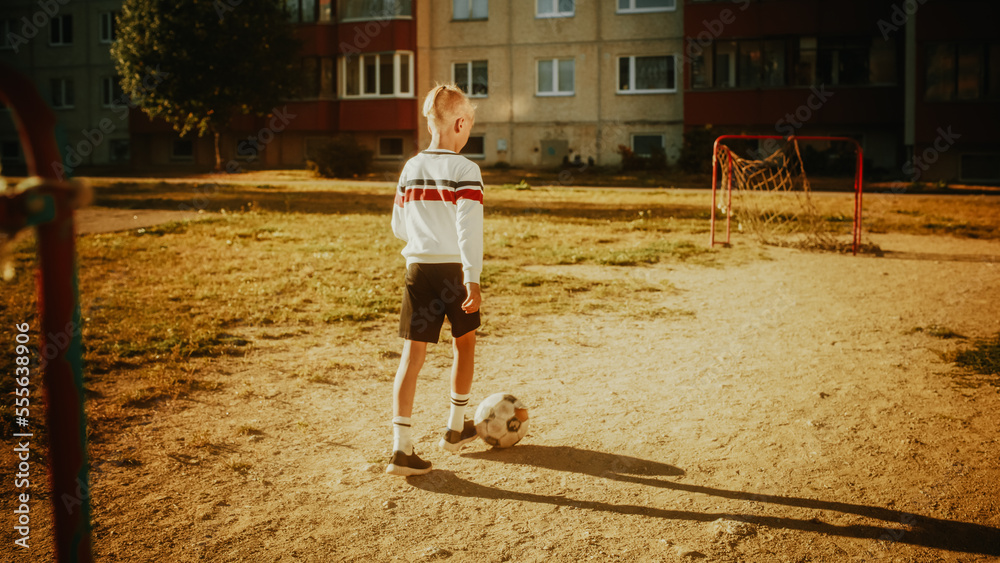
[{"x": 772, "y": 198}]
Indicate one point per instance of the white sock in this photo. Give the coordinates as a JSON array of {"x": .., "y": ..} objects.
[
  {"x": 456, "y": 420},
  {"x": 402, "y": 439}
]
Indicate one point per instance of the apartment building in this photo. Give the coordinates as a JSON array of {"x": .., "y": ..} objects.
[
  {"x": 802, "y": 67},
  {"x": 359, "y": 69},
  {"x": 557, "y": 80},
  {"x": 953, "y": 101},
  {"x": 65, "y": 46}
]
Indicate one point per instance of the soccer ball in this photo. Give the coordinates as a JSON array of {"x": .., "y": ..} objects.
[{"x": 501, "y": 420}]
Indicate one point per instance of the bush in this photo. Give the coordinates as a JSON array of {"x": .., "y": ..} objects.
[
  {"x": 340, "y": 157},
  {"x": 632, "y": 162},
  {"x": 696, "y": 156}
]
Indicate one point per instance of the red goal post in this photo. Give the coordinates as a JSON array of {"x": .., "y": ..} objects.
[{"x": 717, "y": 165}]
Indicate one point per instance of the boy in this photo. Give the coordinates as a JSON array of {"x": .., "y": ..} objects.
[{"x": 438, "y": 212}]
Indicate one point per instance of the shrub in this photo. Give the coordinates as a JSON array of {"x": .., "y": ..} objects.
[
  {"x": 340, "y": 157},
  {"x": 632, "y": 161}
]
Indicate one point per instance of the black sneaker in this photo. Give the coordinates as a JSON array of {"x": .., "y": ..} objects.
[
  {"x": 454, "y": 440},
  {"x": 402, "y": 464}
]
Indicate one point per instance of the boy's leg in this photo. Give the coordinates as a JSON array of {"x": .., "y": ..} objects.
[
  {"x": 404, "y": 461},
  {"x": 461, "y": 431},
  {"x": 405, "y": 386}
]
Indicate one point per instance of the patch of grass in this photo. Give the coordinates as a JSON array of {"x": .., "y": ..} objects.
[
  {"x": 321, "y": 378},
  {"x": 239, "y": 466},
  {"x": 248, "y": 430},
  {"x": 936, "y": 331},
  {"x": 982, "y": 358}
]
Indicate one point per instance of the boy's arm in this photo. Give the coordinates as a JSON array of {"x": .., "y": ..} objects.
[
  {"x": 398, "y": 219},
  {"x": 469, "y": 222}
]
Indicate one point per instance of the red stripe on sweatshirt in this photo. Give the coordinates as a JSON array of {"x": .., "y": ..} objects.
[{"x": 446, "y": 195}]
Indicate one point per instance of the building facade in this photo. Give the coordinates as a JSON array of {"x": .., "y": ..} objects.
[
  {"x": 64, "y": 47},
  {"x": 557, "y": 80},
  {"x": 916, "y": 82}
]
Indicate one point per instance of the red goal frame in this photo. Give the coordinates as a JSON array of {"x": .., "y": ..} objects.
[
  {"x": 58, "y": 311},
  {"x": 717, "y": 164}
]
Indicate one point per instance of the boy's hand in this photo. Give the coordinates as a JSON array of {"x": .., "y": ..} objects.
[{"x": 473, "y": 299}]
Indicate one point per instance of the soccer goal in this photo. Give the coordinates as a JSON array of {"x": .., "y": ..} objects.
[{"x": 774, "y": 199}]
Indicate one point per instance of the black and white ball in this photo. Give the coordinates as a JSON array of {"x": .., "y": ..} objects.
[{"x": 501, "y": 420}]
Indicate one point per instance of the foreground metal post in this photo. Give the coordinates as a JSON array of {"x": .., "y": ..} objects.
[{"x": 49, "y": 206}]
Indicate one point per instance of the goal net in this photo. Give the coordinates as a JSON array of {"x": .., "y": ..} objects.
[{"x": 768, "y": 195}]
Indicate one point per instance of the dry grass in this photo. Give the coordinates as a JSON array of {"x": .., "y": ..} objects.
[{"x": 286, "y": 258}]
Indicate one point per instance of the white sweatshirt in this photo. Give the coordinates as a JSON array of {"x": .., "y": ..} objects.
[{"x": 439, "y": 211}]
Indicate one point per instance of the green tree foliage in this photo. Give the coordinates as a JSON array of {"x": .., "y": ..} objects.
[{"x": 198, "y": 63}]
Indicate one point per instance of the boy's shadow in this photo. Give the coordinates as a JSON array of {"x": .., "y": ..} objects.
[{"x": 924, "y": 530}]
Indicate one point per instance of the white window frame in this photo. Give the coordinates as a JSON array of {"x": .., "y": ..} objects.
[
  {"x": 108, "y": 87},
  {"x": 470, "y": 18},
  {"x": 380, "y": 155},
  {"x": 631, "y": 141},
  {"x": 396, "y": 64},
  {"x": 58, "y": 20},
  {"x": 633, "y": 10},
  {"x": 555, "y": 78},
  {"x": 555, "y": 13},
  {"x": 107, "y": 24},
  {"x": 62, "y": 94},
  {"x": 631, "y": 77},
  {"x": 468, "y": 68},
  {"x": 476, "y": 156},
  {"x": 375, "y": 17}
]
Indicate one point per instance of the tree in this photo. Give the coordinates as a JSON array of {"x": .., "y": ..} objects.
[{"x": 197, "y": 63}]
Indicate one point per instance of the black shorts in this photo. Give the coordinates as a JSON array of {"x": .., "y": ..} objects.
[{"x": 433, "y": 292}]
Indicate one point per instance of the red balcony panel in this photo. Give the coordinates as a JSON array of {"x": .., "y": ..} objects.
[
  {"x": 950, "y": 21},
  {"x": 772, "y": 108},
  {"x": 294, "y": 116},
  {"x": 378, "y": 115},
  {"x": 377, "y": 35},
  {"x": 746, "y": 18},
  {"x": 318, "y": 40},
  {"x": 963, "y": 121}
]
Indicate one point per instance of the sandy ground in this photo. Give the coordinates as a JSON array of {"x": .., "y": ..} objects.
[{"x": 787, "y": 412}]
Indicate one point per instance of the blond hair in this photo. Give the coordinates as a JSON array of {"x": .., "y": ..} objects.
[{"x": 446, "y": 103}]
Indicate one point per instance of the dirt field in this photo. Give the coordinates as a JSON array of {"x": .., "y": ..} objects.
[{"x": 796, "y": 407}]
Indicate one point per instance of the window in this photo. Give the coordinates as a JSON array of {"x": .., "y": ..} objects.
[
  {"x": 7, "y": 27},
  {"x": 555, "y": 8},
  {"x": 390, "y": 147},
  {"x": 360, "y": 10},
  {"x": 109, "y": 27},
  {"x": 811, "y": 61},
  {"x": 642, "y": 6},
  {"x": 61, "y": 30},
  {"x": 647, "y": 145},
  {"x": 962, "y": 71},
  {"x": 182, "y": 149},
  {"x": 301, "y": 11},
  {"x": 646, "y": 75},
  {"x": 310, "y": 77},
  {"x": 555, "y": 77},
  {"x": 980, "y": 167},
  {"x": 118, "y": 151},
  {"x": 62, "y": 93},
  {"x": 470, "y": 9},
  {"x": 476, "y": 147},
  {"x": 111, "y": 92},
  {"x": 378, "y": 75},
  {"x": 472, "y": 77},
  {"x": 10, "y": 151}
]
